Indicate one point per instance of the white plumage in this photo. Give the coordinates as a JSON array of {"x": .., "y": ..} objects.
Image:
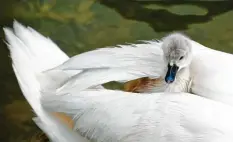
[
  {"x": 209, "y": 74},
  {"x": 113, "y": 116},
  {"x": 28, "y": 64},
  {"x": 107, "y": 115},
  {"x": 121, "y": 64}
]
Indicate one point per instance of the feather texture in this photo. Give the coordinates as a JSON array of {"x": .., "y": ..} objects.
[
  {"x": 122, "y": 63},
  {"x": 129, "y": 117},
  {"x": 30, "y": 53}
]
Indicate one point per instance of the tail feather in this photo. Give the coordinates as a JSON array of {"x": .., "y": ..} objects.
[
  {"x": 47, "y": 48},
  {"x": 44, "y": 54},
  {"x": 28, "y": 63}
]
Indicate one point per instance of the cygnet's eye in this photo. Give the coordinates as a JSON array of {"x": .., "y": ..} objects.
[{"x": 181, "y": 57}]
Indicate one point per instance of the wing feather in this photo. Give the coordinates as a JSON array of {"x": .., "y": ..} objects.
[
  {"x": 129, "y": 117},
  {"x": 122, "y": 63}
]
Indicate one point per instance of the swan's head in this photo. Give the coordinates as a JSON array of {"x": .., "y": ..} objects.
[{"x": 177, "y": 54}]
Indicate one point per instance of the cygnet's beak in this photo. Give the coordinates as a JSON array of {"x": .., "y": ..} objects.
[{"x": 171, "y": 73}]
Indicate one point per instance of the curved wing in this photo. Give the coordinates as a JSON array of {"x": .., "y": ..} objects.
[
  {"x": 117, "y": 57},
  {"x": 123, "y": 63},
  {"x": 107, "y": 115}
]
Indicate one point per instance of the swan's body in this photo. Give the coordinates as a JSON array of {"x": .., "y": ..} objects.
[
  {"x": 106, "y": 115},
  {"x": 212, "y": 75},
  {"x": 160, "y": 117}
]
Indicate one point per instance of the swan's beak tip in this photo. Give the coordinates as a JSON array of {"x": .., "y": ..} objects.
[{"x": 169, "y": 81}]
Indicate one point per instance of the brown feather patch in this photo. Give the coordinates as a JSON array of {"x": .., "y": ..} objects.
[
  {"x": 141, "y": 84},
  {"x": 65, "y": 119}
]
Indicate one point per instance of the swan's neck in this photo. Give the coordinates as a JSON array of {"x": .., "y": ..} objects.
[{"x": 182, "y": 82}]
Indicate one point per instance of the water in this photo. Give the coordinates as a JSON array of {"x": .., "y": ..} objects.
[{"x": 81, "y": 25}]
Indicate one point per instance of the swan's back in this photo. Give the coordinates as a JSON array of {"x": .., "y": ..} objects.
[
  {"x": 212, "y": 74},
  {"x": 128, "y": 117}
]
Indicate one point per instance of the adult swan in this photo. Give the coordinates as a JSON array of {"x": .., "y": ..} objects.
[{"x": 107, "y": 115}]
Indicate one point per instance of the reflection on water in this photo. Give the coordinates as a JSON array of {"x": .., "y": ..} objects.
[
  {"x": 160, "y": 18},
  {"x": 81, "y": 25}
]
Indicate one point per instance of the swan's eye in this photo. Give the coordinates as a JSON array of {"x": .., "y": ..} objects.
[{"x": 181, "y": 57}]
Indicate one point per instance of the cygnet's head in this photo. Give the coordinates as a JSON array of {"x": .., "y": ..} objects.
[{"x": 177, "y": 51}]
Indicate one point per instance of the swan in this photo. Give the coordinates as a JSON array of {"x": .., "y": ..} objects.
[
  {"x": 107, "y": 115},
  {"x": 175, "y": 64}
]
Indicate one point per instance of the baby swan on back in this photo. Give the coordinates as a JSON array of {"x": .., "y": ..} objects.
[
  {"x": 177, "y": 55},
  {"x": 177, "y": 51}
]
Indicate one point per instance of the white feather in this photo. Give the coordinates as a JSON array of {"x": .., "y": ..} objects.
[
  {"x": 121, "y": 116},
  {"x": 210, "y": 70},
  {"x": 31, "y": 55},
  {"x": 212, "y": 74},
  {"x": 160, "y": 117},
  {"x": 123, "y": 63}
]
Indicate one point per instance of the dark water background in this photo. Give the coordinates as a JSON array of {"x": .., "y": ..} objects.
[{"x": 81, "y": 25}]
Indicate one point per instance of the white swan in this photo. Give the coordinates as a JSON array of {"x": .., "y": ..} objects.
[
  {"x": 105, "y": 115},
  {"x": 198, "y": 69}
]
